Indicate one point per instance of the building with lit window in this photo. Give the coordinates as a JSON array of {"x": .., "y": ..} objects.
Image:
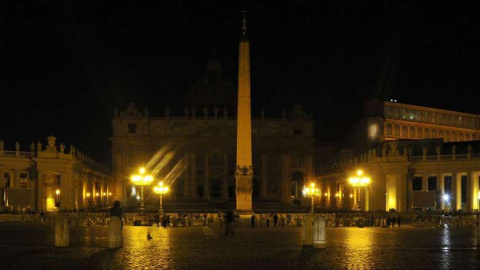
[
  {"x": 415, "y": 157},
  {"x": 50, "y": 179},
  {"x": 195, "y": 153}
]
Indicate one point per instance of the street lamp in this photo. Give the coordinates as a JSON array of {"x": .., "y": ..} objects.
[
  {"x": 359, "y": 181},
  {"x": 57, "y": 192},
  {"x": 160, "y": 190},
  {"x": 141, "y": 180},
  {"x": 312, "y": 191}
]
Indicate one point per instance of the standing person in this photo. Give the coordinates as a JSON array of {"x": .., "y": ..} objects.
[
  {"x": 252, "y": 220},
  {"x": 393, "y": 222},
  {"x": 229, "y": 223},
  {"x": 157, "y": 220},
  {"x": 388, "y": 222},
  {"x": 116, "y": 210},
  {"x": 398, "y": 220},
  {"x": 164, "y": 221},
  {"x": 275, "y": 220}
]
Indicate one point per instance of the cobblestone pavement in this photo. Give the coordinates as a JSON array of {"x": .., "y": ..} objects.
[{"x": 31, "y": 247}]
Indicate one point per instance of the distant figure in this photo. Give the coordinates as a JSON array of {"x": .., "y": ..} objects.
[
  {"x": 388, "y": 222},
  {"x": 149, "y": 236},
  {"x": 398, "y": 220},
  {"x": 157, "y": 220},
  {"x": 252, "y": 220},
  {"x": 275, "y": 220},
  {"x": 116, "y": 210},
  {"x": 229, "y": 223},
  {"x": 393, "y": 222},
  {"x": 164, "y": 221}
]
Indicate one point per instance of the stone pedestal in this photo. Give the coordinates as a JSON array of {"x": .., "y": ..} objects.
[
  {"x": 115, "y": 237},
  {"x": 319, "y": 226},
  {"x": 244, "y": 194},
  {"x": 308, "y": 230},
  {"x": 62, "y": 231}
]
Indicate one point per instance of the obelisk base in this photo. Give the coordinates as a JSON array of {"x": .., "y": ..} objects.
[{"x": 244, "y": 195}]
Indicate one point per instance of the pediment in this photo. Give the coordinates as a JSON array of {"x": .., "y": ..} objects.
[{"x": 215, "y": 131}]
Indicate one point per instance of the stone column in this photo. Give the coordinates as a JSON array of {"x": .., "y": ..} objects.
[
  {"x": 471, "y": 196},
  {"x": 424, "y": 182},
  {"x": 285, "y": 178},
  {"x": 193, "y": 175},
  {"x": 441, "y": 189},
  {"x": 264, "y": 175},
  {"x": 475, "y": 186},
  {"x": 40, "y": 194},
  {"x": 206, "y": 180},
  {"x": 409, "y": 194},
  {"x": 456, "y": 197}
]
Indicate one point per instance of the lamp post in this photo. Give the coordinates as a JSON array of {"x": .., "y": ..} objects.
[
  {"x": 142, "y": 179},
  {"x": 312, "y": 191},
  {"x": 359, "y": 181},
  {"x": 57, "y": 203},
  {"x": 160, "y": 190}
]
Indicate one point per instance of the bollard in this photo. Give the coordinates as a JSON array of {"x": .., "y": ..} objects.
[
  {"x": 308, "y": 230},
  {"x": 62, "y": 231},
  {"x": 319, "y": 240},
  {"x": 478, "y": 230},
  {"x": 115, "y": 237}
]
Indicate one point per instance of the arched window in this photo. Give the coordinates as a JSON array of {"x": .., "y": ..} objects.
[
  {"x": 434, "y": 133},
  {"x": 412, "y": 132},
  {"x": 440, "y": 134},
  {"x": 427, "y": 133},
  {"x": 461, "y": 138},
  {"x": 467, "y": 137},
  {"x": 448, "y": 136},
  {"x": 454, "y": 137},
  {"x": 388, "y": 130},
  {"x": 419, "y": 133},
  {"x": 397, "y": 131},
  {"x": 404, "y": 132}
]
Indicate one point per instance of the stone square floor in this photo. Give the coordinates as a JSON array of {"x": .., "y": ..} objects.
[{"x": 31, "y": 247}]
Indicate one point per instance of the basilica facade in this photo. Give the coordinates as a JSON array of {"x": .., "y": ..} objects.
[{"x": 195, "y": 153}]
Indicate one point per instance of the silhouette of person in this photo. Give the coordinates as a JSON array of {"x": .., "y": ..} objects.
[
  {"x": 229, "y": 218},
  {"x": 275, "y": 220}
]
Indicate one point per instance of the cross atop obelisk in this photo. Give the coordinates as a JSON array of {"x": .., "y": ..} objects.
[
  {"x": 244, "y": 21},
  {"x": 244, "y": 172}
]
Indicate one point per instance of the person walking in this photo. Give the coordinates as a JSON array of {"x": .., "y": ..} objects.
[
  {"x": 394, "y": 220},
  {"x": 229, "y": 223},
  {"x": 275, "y": 220},
  {"x": 252, "y": 220},
  {"x": 398, "y": 220}
]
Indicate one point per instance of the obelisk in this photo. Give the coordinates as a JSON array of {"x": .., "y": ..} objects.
[{"x": 244, "y": 171}]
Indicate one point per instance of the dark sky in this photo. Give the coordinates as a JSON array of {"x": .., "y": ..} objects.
[{"x": 68, "y": 64}]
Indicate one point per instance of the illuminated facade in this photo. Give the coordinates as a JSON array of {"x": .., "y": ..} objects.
[
  {"x": 386, "y": 121},
  {"x": 49, "y": 179},
  {"x": 195, "y": 154},
  {"x": 416, "y": 158}
]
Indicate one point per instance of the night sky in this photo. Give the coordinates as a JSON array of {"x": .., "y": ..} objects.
[{"x": 68, "y": 64}]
